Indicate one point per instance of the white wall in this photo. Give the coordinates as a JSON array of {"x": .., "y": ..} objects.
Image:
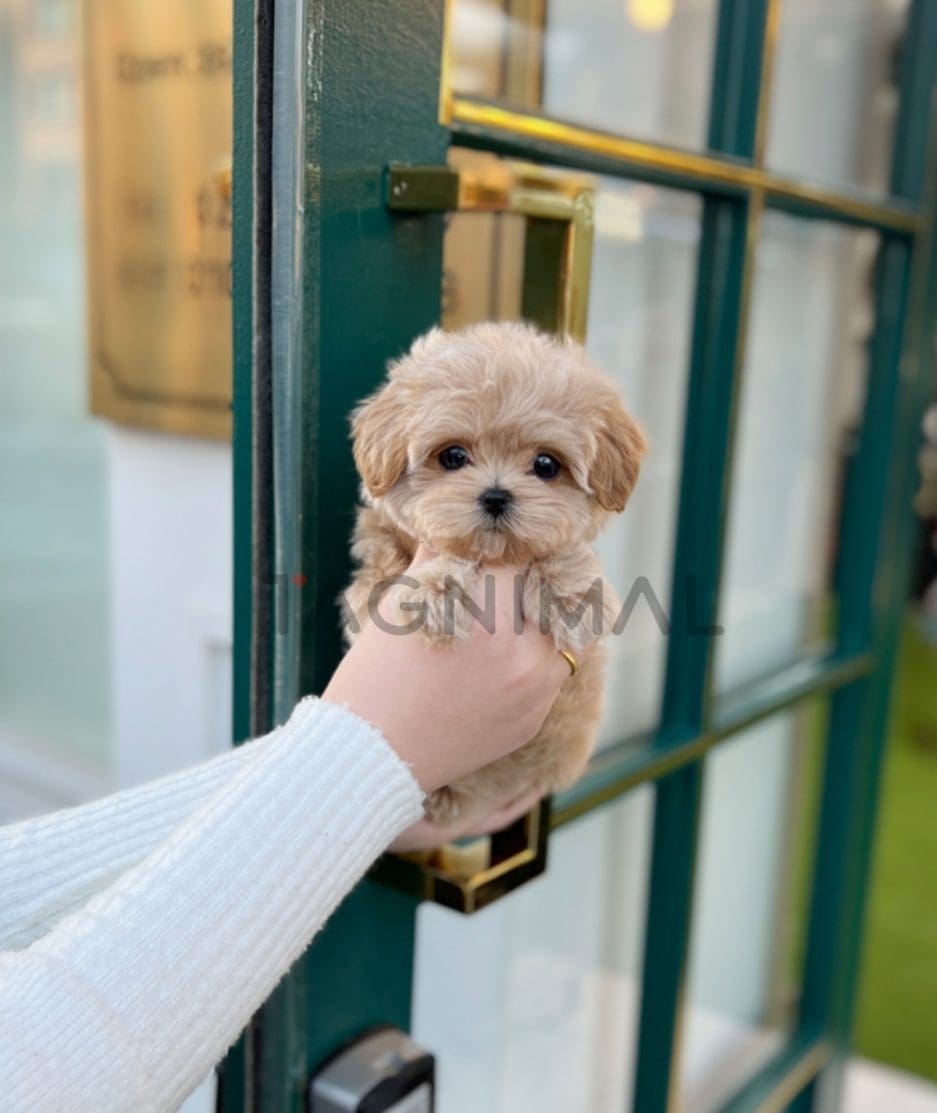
[{"x": 170, "y": 576}]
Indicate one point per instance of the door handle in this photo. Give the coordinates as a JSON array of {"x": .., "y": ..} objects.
[{"x": 560, "y": 213}]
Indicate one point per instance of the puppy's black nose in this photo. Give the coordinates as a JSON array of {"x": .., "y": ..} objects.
[{"x": 495, "y": 501}]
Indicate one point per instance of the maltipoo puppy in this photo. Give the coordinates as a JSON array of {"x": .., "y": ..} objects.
[{"x": 496, "y": 444}]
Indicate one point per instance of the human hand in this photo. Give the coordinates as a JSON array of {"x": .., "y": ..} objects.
[{"x": 450, "y": 709}]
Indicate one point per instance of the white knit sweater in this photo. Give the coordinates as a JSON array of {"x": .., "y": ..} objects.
[{"x": 140, "y": 932}]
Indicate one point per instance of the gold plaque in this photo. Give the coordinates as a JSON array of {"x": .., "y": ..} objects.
[{"x": 157, "y": 81}]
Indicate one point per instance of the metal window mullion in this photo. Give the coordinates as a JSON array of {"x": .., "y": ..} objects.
[
  {"x": 714, "y": 363},
  {"x": 724, "y": 270},
  {"x": 890, "y": 589},
  {"x": 276, "y": 1031},
  {"x": 812, "y": 203},
  {"x": 909, "y": 165},
  {"x": 636, "y": 761},
  {"x": 735, "y": 115},
  {"x": 517, "y": 135},
  {"x": 787, "y": 1075},
  {"x": 252, "y": 477},
  {"x": 852, "y": 744}
]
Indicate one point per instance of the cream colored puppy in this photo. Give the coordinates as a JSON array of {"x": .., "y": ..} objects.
[{"x": 496, "y": 444}]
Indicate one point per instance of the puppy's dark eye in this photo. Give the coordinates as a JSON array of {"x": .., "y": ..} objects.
[
  {"x": 453, "y": 457},
  {"x": 546, "y": 466}
]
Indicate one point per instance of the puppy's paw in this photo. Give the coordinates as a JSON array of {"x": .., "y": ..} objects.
[
  {"x": 442, "y": 806},
  {"x": 430, "y": 601},
  {"x": 575, "y": 605}
]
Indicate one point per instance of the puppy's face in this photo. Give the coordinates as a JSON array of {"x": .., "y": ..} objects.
[{"x": 496, "y": 443}]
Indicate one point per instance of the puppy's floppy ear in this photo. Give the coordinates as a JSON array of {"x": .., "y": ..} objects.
[
  {"x": 379, "y": 438},
  {"x": 620, "y": 447}
]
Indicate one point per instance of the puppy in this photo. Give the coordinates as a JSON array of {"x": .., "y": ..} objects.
[{"x": 496, "y": 444}]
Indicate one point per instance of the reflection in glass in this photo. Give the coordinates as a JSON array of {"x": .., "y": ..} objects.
[
  {"x": 834, "y": 97},
  {"x": 758, "y": 823},
  {"x": 801, "y": 399},
  {"x": 547, "y": 982},
  {"x": 640, "y": 313},
  {"x": 633, "y": 67}
]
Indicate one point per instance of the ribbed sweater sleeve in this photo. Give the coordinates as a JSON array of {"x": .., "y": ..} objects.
[
  {"x": 54, "y": 863},
  {"x": 128, "y": 1001}
]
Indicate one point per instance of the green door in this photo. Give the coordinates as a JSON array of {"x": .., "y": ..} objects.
[{"x": 729, "y": 199}]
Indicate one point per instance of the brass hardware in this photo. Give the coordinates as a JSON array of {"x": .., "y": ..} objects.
[
  {"x": 560, "y": 211},
  {"x": 699, "y": 170},
  {"x": 496, "y": 865},
  {"x": 803, "y": 1072},
  {"x": 157, "y": 92}
]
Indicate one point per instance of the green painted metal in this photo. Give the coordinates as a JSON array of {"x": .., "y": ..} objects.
[
  {"x": 234, "y": 1071},
  {"x": 373, "y": 278},
  {"x": 711, "y": 391},
  {"x": 864, "y": 506},
  {"x": 360, "y": 970},
  {"x": 910, "y": 165},
  {"x": 805, "y": 204},
  {"x": 242, "y": 293},
  {"x": 718, "y": 334},
  {"x": 736, "y": 76},
  {"x": 637, "y": 760},
  {"x": 676, "y": 822},
  {"x": 791, "y": 1070},
  {"x": 551, "y": 153},
  {"x": 372, "y": 283}
]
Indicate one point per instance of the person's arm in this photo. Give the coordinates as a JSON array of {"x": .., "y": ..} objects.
[
  {"x": 128, "y": 1002},
  {"x": 51, "y": 865}
]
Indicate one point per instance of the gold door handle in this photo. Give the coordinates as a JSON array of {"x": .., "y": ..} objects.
[{"x": 559, "y": 209}]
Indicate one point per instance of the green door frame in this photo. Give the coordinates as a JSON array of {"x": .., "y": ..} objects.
[{"x": 366, "y": 96}]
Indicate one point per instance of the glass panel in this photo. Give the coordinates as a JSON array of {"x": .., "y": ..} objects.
[
  {"x": 635, "y": 67},
  {"x": 758, "y": 828},
  {"x": 640, "y": 315},
  {"x": 547, "y": 981},
  {"x": 115, "y": 544},
  {"x": 54, "y": 651},
  {"x": 835, "y": 95},
  {"x": 800, "y": 409}
]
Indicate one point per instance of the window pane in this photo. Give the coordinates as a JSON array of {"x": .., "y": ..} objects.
[
  {"x": 800, "y": 407},
  {"x": 115, "y": 544},
  {"x": 757, "y": 834},
  {"x": 835, "y": 95},
  {"x": 634, "y": 67},
  {"x": 547, "y": 981},
  {"x": 640, "y": 315},
  {"x": 54, "y": 644}
]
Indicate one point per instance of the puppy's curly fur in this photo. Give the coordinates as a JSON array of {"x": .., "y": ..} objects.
[{"x": 499, "y": 397}]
